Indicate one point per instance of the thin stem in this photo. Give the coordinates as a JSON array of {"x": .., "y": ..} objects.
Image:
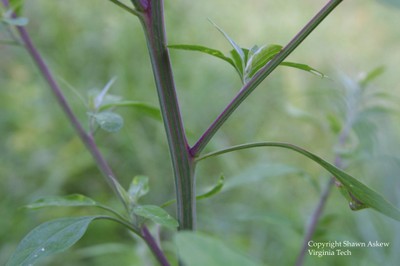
[
  {"x": 261, "y": 75},
  {"x": 86, "y": 138},
  {"x": 312, "y": 226},
  {"x": 125, "y": 7},
  {"x": 314, "y": 221},
  {"x": 152, "y": 243},
  {"x": 182, "y": 161}
]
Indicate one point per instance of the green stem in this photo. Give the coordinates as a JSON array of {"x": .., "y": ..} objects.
[
  {"x": 262, "y": 74},
  {"x": 182, "y": 161}
]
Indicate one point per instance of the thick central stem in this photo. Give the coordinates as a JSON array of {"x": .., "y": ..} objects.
[{"x": 182, "y": 161}]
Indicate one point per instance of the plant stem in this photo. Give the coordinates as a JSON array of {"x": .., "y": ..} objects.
[
  {"x": 86, "y": 138},
  {"x": 314, "y": 221},
  {"x": 312, "y": 226},
  {"x": 261, "y": 75},
  {"x": 182, "y": 161},
  {"x": 158, "y": 253}
]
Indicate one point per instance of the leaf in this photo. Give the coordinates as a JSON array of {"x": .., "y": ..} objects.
[
  {"x": 49, "y": 238},
  {"x": 394, "y": 3},
  {"x": 305, "y": 68},
  {"x": 261, "y": 57},
  {"x": 109, "y": 121},
  {"x": 156, "y": 214},
  {"x": 215, "y": 190},
  {"x": 359, "y": 195},
  {"x": 370, "y": 76},
  {"x": 197, "y": 249},
  {"x": 65, "y": 201},
  {"x": 20, "y": 21},
  {"x": 17, "y": 6},
  {"x": 203, "y": 49},
  {"x": 238, "y": 54},
  {"x": 138, "y": 188},
  {"x": 145, "y": 108},
  {"x": 98, "y": 100}
]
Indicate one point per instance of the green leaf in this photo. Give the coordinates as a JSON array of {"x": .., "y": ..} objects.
[
  {"x": 64, "y": 201},
  {"x": 260, "y": 58},
  {"x": 394, "y": 3},
  {"x": 145, "y": 108},
  {"x": 109, "y": 121},
  {"x": 213, "y": 191},
  {"x": 17, "y": 6},
  {"x": 197, "y": 249},
  {"x": 305, "y": 68},
  {"x": 359, "y": 195},
  {"x": 138, "y": 188},
  {"x": 370, "y": 76},
  {"x": 49, "y": 238},
  {"x": 202, "y": 49},
  {"x": 238, "y": 54},
  {"x": 98, "y": 100},
  {"x": 156, "y": 214}
]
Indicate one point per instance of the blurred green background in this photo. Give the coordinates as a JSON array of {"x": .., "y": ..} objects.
[{"x": 270, "y": 193}]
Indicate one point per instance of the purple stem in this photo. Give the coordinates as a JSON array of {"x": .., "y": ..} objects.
[
  {"x": 151, "y": 242},
  {"x": 86, "y": 138},
  {"x": 312, "y": 226}
]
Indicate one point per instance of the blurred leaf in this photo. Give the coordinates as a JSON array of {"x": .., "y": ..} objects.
[
  {"x": 7, "y": 42},
  {"x": 370, "y": 76},
  {"x": 65, "y": 201},
  {"x": 259, "y": 172},
  {"x": 395, "y": 3},
  {"x": 138, "y": 188},
  {"x": 214, "y": 190},
  {"x": 109, "y": 121},
  {"x": 217, "y": 188},
  {"x": 50, "y": 238},
  {"x": 334, "y": 123},
  {"x": 358, "y": 194},
  {"x": 17, "y": 6},
  {"x": 145, "y": 108},
  {"x": 98, "y": 100},
  {"x": 261, "y": 57},
  {"x": 305, "y": 68},
  {"x": 20, "y": 21},
  {"x": 203, "y": 49},
  {"x": 197, "y": 249},
  {"x": 156, "y": 214}
]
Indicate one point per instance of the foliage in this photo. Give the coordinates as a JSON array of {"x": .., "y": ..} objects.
[{"x": 252, "y": 203}]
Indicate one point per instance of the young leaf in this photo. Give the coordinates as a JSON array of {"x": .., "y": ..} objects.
[
  {"x": 64, "y": 201},
  {"x": 238, "y": 54},
  {"x": 197, "y": 249},
  {"x": 109, "y": 121},
  {"x": 156, "y": 214},
  {"x": 213, "y": 191},
  {"x": 138, "y": 188},
  {"x": 370, "y": 76},
  {"x": 98, "y": 100},
  {"x": 17, "y": 6},
  {"x": 50, "y": 238},
  {"x": 359, "y": 195},
  {"x": 203, "y": 49},
  {"x": 217, "y": 188},
  {"x": 145, "y": 108},
  {"x": 260, "y": 58},
  {"x": 305, "y": 68}
]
